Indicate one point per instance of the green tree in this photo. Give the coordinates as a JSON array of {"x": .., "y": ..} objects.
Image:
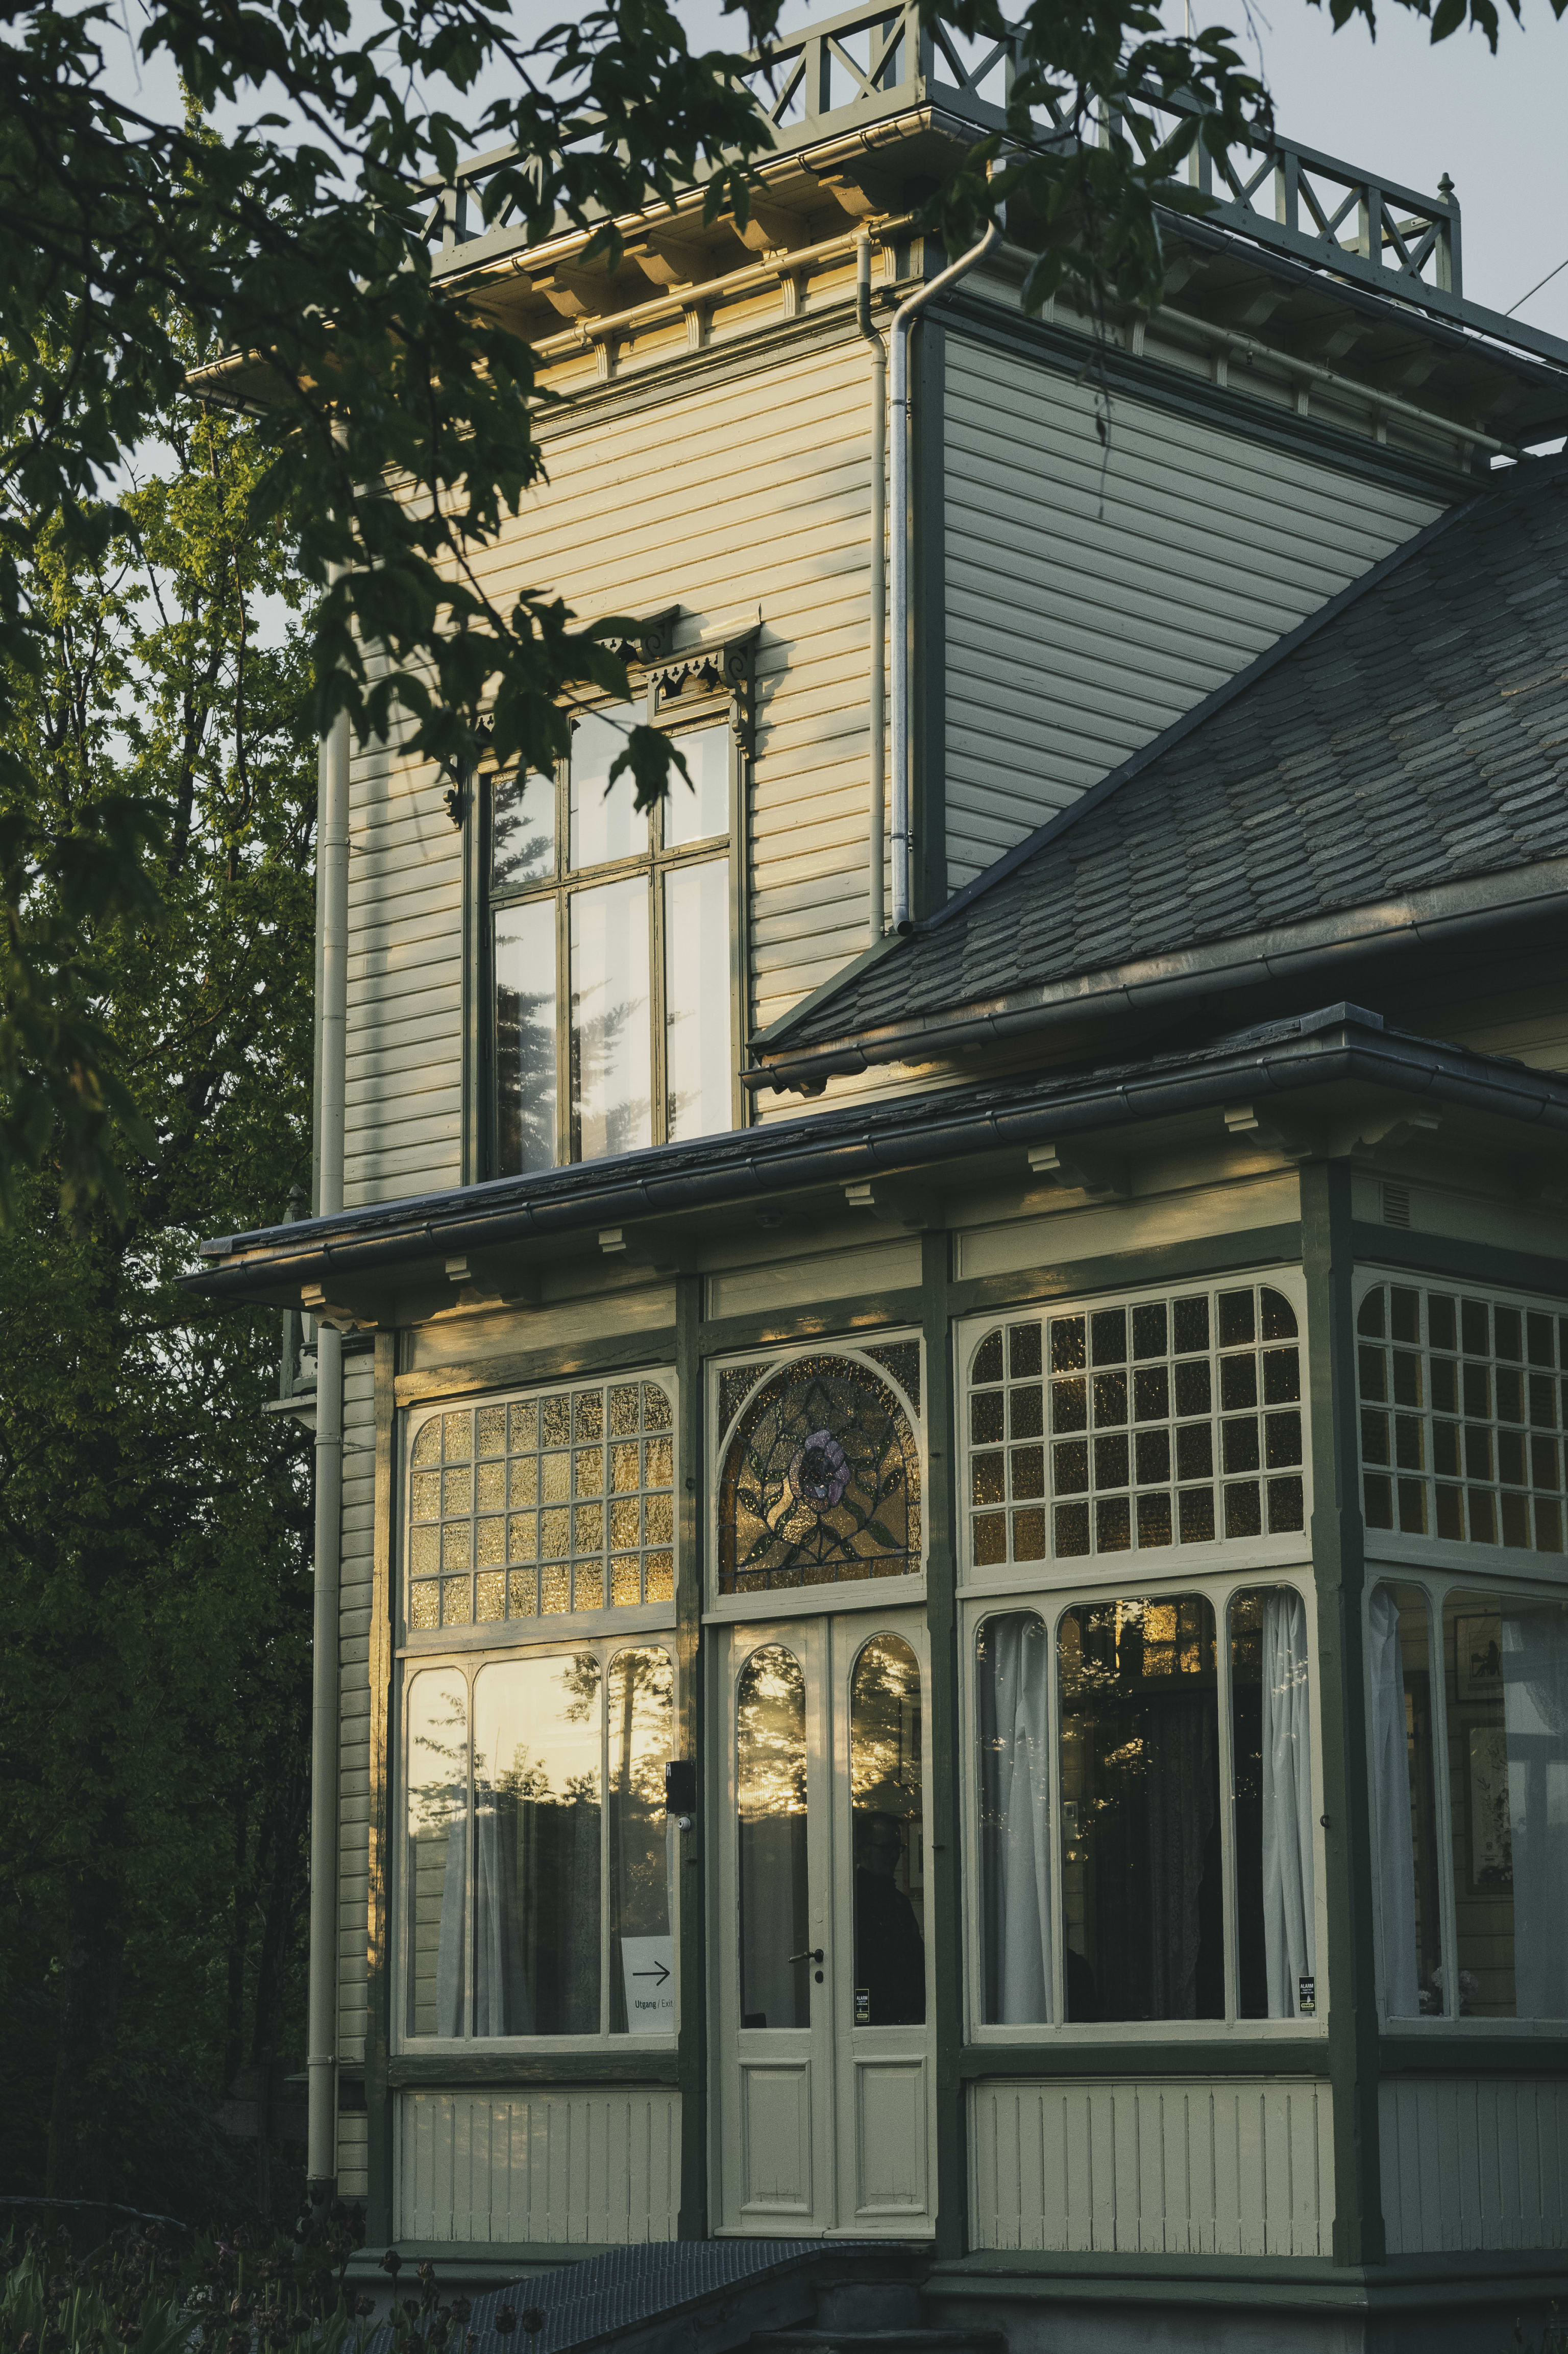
[
  {"x": 309, "y": 255},
  {"x": 153, "y": 1523}
]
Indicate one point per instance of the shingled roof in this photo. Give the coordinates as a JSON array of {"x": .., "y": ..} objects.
[{"x": 1411, "y": 735}]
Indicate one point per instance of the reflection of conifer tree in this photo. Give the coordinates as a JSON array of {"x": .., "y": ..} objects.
[
  {"x": 525, "y": 1080},
  {"x": 597, "y": 1061}
]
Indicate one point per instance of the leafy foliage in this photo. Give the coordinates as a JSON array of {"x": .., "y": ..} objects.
[
  {"x": 396, "y": 427},
  {"x": 154, "y": 1700}
]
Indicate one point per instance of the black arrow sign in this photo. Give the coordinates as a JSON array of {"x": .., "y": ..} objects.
[{"x": 657, "y": 1971}]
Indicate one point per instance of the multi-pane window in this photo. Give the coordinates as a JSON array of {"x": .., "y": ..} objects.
[
  {"x": 536, "y": 1861},
  {"x": 1104, "y": 1884},
  {"x": 1136, "y": 1425},
  {"x": 610, "y": 952},
  {"x": 1462, "y": 1402},
  {"x": 1470, "y": 1754},
  {"x": 562, "y": 1501}
]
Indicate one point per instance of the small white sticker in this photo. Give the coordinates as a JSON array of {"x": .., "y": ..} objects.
[{"x": 648, "y": 1967}]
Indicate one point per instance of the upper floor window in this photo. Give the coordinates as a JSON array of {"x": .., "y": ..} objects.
[
  {"x": 1136, "y": 1424},
  {"x": 1462, "y": 1399},
  {"x": 610, "y": 948}
]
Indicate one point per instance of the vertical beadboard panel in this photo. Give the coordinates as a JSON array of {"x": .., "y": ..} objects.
[
  {"x": 1198, "y": 2167},
  {"x": 562, "y": 2168},
  {"x": 1092, "y": 601},
  {"x": 1474, "y": 2162},
  {"x": 355, "y": 1602}
]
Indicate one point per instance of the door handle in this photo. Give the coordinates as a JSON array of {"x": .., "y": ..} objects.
[{"x": 813, "y": 1954}]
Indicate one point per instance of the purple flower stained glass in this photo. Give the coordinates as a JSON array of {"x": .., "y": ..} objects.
[{"x": 821, "y": 1482}]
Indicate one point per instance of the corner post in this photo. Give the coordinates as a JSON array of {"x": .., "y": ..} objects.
[
  {"x": 947, "y": 1879},
  {"x": 691, "y": 1524},
  {"x": 378, "y": 1925},
  {"x": 1340, "y": 1576}
]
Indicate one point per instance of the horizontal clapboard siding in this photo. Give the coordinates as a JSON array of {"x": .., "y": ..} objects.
[
  {"x": 1474, "y": 2162},
  {"x": 355, "y": 1595},
  {"x": 566, "y": 2167},
  {"x": 1217, "y": 2166},
  {"x": 722, "y": 498},
  {"x": 1093, "y": 596}
]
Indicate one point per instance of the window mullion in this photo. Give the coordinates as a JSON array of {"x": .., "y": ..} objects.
[
  {"x": 470, "y": 1892},
  {"x": 1443, "y": 1794},
  {"x": 1055, "y": 1848},
  {"x": 603, "y": 1650},
  {"x": 1229, "y": 1911},
  {"x": 658, "y": 1011}
]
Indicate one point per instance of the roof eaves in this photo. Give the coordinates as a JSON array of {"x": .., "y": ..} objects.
[{"x": 1443, "y": 913}]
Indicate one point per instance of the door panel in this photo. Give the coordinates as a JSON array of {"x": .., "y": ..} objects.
[
  {"x": 823, "y": 2059},
  {"x": 776, "y": 2137},
  {"x": 890, "y": 2137}
]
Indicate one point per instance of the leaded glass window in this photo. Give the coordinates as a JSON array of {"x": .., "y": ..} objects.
[
  {"x": 527, "y": 1507},
  {"x": 1136, "y": 1424},
  {"x": 821, "y": 1482},
  {"x": 1462, "y": 1408}
]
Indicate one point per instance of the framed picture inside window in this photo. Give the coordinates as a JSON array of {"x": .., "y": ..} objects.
[{"x": 1478, "y": 1657}]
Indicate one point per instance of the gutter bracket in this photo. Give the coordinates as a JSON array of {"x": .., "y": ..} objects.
[
  {"x": 897, "y": 1203},
  {"x": 1078, "y": 1168}
]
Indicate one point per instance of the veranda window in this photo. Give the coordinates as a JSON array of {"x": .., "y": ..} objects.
[
  {"x": 536, "y": 1897},
  {"x": 1469, "y": 1770},
  {"x": 1106, "y": 1881},
  {"x": 610, "y": 952}
]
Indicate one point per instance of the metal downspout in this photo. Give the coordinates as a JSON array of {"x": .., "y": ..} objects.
[
  {"x": 877, "y": 680},
  {"x": 904, "y": 319},
  {"x": 331, "y": 851}
]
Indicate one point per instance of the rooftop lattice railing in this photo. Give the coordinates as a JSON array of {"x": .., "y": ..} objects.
[{"x": 875, "y": 63}]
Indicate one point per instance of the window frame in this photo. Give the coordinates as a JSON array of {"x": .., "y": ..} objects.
[
  {"x": 705, "y": 702},
  {"x": 550, "y": 1629},
  {"x": 851, "y": 1594},
  {"x": 468, "y": 1664},
  {"x": 1452, "y": 1558},
  {"x": 1187, "y": 1564},
  {"x": 1050, "y": 1604},
  {"x": 1437, "y": 1585}
]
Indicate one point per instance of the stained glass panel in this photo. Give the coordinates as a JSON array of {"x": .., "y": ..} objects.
[{"x": 821, "y": 1482}]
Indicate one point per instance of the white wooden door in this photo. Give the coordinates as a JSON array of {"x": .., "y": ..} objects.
[{"x": 824, "y": 2061}]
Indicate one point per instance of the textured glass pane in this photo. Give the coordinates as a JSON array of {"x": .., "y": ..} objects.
[
  {"x": 427, "y": 1496},
  {"x": 456, "y": 1602},
  {"x": 523, "y": 1481},
  {"x": 491, "y": 1546},
  {"x": 610, "y": 1041},
  {"x": 658, "y": 1463},
  {"x": 887, "y": 1833},
  {"x": 698, "y": 810},
  {"x": 538, "y": 1731},
  {"x": 525, "y": 968},
  {"x": 522, "y": 831},
  {"x": 427, "y": 1446},
  {"x": 457, "y": 1491},
  {"x": 493, "y": 1430},
  {"x": 774, "y": 1923},
  {"x": 491, "y": 1591},
  {"x": 604, "y": 819},
  {"x": 425, "y": 1551},
  {"x": 554, "y": 1532},
  {"x": 557, "y": 1478},
  {"x": 435, "y": 1870},
  {"x": 424, "y": 1604},
  {"x": 657, "y": 1414},
  {"x": 1143, "y": 1910},
  {"x": 696, "y": 999},
  {"x": 625, "y": 1580},
  {"x": 521, "y": 1537},
  {"x": 660, "y": 1577},
  {"x": 821, "y": 1482},
  {"x": 455, "y": 1545},
  {"x": 490, "y": 1487},
  {"x": 587, "y": 1586},
  {"x": 525, "y": 1427},
  {"x": 456, "y": 1437},
  {"x": 588, "y": 1471},
  {"x": 641, "y": 1950},
  {"x": 521, "y": 1593},
  {"x": 555, "y": 1591}
]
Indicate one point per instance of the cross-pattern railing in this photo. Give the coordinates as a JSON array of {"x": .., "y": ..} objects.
[{"x": 878, "y": 61}]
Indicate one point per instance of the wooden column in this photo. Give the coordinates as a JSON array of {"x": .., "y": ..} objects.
[{"x": 1340, "y": 1576}]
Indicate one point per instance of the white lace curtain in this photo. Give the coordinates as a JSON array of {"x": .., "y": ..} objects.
[
  {"x": 1535, "y": 1722},
  {"x": 1015, "y": 1807},
  {"x": 1290, "y": 1942}
]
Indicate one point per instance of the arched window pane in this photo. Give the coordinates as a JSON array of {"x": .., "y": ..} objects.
[
  {"x": 771, "y": 1800},
  {"x": 435, "y": 1870},
  {"x": 643, "y": 1958},
  {"x": 1013, "y": 1679},
  {"x": 888, "y": 1805},
  {"x": 1143, "y": 1909},
  {"x": 538, "y": 1729},
  {"x": 821, "y": 1482}
]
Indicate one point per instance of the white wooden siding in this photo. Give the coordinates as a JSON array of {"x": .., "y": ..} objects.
[
  {"x": 1092, "y": 601},
  {"x": 1197, "y": 2167},
  {"x": 720, "y": 498},
  {"x": 1472, "y": 2162},
  {"x": 568, "y": 2167},
  {"x": 352, "y": 2156},
  {"x": 355, "y": 1600}
]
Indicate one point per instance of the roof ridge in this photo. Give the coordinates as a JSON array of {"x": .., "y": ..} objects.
[{"x": 1219, "y": 697}]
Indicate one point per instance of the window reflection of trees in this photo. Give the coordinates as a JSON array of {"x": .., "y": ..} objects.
[
  {"x": 537, "y": 1768},
  {"x": 525, "y": 1079},
  {"x": 770, "y": 1801},
  {"x": 641, "y": 1704},
  {"x": 436, "y": 1848}
]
